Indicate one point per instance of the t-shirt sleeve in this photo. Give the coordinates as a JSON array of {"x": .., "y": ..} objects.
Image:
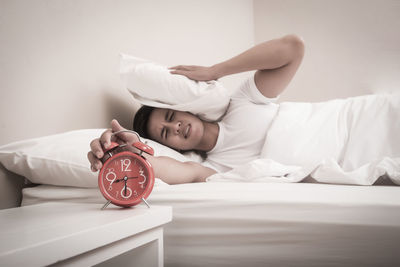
[{"x": 248, "y": 90}]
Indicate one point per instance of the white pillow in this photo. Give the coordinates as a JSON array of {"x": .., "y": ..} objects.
[
  {"x": 61, "y": 159},
  {"x": 153, "y": 85}
]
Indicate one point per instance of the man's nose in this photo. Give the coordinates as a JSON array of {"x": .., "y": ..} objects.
[{"x": 176, "y": 127}]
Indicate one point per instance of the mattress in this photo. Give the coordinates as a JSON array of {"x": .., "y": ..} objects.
[{"x": 267, "y": 224}]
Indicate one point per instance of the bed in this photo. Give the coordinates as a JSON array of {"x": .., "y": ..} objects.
[
  {"x": 267, "y": 224},
  {"x": 271, "y": 214},
  {"x": 226, "y": 223}
]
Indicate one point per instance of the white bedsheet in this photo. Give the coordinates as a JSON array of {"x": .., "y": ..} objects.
[
  {"x": 267, "y": 224},
  {"x": 345, "y": 141}
]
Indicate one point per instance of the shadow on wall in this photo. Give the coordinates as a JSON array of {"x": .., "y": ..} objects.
[{"x": 120, "y": 107}]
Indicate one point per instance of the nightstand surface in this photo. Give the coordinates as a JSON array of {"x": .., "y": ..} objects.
[{"x": 50, "y": 233}]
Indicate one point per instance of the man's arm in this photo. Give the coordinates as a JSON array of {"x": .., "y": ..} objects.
[
  {"x": 167, "y": 169},
  {"x": 172, "y": 171},
  {"x": 276, "y": 62}
]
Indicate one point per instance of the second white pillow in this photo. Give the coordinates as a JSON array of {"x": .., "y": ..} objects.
[
  {"x": 61, "y": 159},
  {"x": 152, "y": 84}
]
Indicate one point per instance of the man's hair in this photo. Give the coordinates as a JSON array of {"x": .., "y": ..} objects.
[{"x": 141, "y": 120}]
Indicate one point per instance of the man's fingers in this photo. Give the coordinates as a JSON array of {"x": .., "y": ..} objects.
[
  {"x": 180, "y": 72},
  {"x": 183, "y": 67},
  {"x": 95, "y": 163},
  {"x": 99, "y": 145},
  {"x": 96, "y": 148},
  {"x": 125, "y": 136},
  {"x": 105, "y": 138},
  {"x": 115, "y": 126}
]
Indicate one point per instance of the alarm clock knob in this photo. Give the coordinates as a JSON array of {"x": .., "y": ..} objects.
[{"x": 144, "y": 148}]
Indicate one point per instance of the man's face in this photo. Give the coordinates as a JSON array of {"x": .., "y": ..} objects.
[{"x": 176, "y": 129}]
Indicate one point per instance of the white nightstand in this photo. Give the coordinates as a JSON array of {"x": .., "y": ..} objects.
[{"x": 72, "y": 234}]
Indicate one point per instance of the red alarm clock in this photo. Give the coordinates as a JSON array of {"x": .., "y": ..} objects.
[{"x": 126, "y": 177}]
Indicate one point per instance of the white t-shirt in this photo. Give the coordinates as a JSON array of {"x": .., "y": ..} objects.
[{"x": 243, "y": 129}]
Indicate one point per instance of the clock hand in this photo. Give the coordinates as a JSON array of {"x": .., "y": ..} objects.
[
  {"x": 122, "y": 179},
  {"x": 125, "y": 179}
]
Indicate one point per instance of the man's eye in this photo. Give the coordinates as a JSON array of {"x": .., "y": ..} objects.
[
  {"x": 164, "y": 133},
  {"x": 171, "y": 117}
]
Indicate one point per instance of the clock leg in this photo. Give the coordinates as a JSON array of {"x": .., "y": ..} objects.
[
  {"x": 105, "y": 205},
  {"x": 145, "y": 202}
]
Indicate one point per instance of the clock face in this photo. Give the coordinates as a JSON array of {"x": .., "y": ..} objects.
[{"x": 126, "y": 178}]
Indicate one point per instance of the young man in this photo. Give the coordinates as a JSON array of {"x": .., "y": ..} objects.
[{"x": 236, "y": 139}]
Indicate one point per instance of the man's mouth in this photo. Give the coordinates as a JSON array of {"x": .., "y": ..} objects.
[{"x": 187, "y": 131}]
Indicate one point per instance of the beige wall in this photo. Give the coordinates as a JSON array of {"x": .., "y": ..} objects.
[
  {"x": 59, "y": 59},
  {"x": 352, "y": 46}
]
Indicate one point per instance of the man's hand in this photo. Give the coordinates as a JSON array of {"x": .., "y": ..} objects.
[
  {"x": 197, "y": 73},
  {"x": 99, "y": 145}
]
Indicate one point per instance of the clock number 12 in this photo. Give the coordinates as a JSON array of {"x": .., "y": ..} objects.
[{"x": 125, "y": 163}]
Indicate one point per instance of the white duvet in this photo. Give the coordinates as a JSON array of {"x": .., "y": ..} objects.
[{"x": 346, "y": 141}]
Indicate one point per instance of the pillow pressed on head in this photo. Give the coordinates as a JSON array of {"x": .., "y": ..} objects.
[
  {"x": 153, "y": 85},
  {"x": 61, "y": 159}
]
